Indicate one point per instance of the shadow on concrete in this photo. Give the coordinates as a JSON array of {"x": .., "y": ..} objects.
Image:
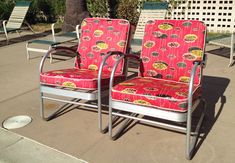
[
  {"x": 24, "y": 38},
  {"x": 213, "y": 93},
  {"x": 220, "y": 51}
]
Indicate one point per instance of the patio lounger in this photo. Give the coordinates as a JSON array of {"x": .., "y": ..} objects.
[
  {"x": 150, "y": 11},
  {"x": 34, "y": 45},
  {"x": 226, "y": 42},
  {"x": 100, "y": 39},
  {"x": 168, "y": 88},
  {"x": 16, "y": 19}
]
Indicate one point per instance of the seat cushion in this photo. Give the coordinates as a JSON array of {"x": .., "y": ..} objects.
[
  {"x": 157, "y": 93},
  {"x": 76, "y": 78}
]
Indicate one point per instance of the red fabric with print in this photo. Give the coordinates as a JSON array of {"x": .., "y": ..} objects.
[
  {"x": 77, "y": 78},
  {"x": 169, "y": 49},
  {"x": 98, "y": 36},
  {"x": 160, "y": 93}
]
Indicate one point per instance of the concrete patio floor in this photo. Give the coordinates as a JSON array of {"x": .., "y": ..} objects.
[{"x": 76, "y": 132}]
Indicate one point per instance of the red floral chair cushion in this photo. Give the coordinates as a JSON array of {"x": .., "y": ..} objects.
[
  {"x": 98, "y": 36},
  {"x": 152, "y": 92},
  {"x": 168, "y": 51},
  {"x": 77, "y": 78}
]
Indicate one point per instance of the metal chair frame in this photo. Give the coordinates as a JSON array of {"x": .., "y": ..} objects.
[
  {"x": 77, "y": 94},
  {"x": 119, "y": 109}
]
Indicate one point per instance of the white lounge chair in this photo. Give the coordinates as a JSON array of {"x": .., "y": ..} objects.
[{"x": 16, "y": 19}]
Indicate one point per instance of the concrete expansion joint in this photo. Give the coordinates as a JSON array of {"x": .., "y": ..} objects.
[{"x": 9, "y": 145}]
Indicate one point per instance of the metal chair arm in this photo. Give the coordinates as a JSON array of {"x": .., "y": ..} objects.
[
  {"x": 4, "y": 25},
  {"x": 54, "y": 50},
  {"x": 122, "y": 55},
  {"x": 53, "y": 31},
  {"x": 191, "y": 82}
]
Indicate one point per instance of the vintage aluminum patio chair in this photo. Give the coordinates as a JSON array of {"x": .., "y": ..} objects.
[
  {"x": 16, "y": 19},
  {"x": 100, "y": 38},
  {"x": 168, "y": 87}
]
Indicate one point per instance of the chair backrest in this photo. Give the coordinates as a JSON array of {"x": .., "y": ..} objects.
[
  {"x": 150, "y": 11},
  {"x": 18, "y": 14},
  {"x": 99, "y": 36},
  {"x": 170, "y": 47}
]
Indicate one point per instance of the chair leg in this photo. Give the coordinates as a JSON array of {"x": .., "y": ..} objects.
[
  {"x": 191, "y": 140},
  {"x": 57, "y": 112},
  {"x": 100, "y": 120},
  {"x": 42, "y": 107},
  {"x": 113, "y": 119},
  {"x": 30, "y": 27},
  {"x": 27, "y": 51},
  {"x": 50, "y": 55},
  {"x": 18, "y": 32},
  {"x": 231, "y": 60}
]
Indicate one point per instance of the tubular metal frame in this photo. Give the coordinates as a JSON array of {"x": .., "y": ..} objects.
[
  {"x": 191, "y": 137},
  {"x": 77, "y": 94}
]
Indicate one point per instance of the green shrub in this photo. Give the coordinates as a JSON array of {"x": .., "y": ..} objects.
[
  {"x": 6, "y": 8},
  {"x": 128, "y": 9},
  {"x": 98, "y": 8}
]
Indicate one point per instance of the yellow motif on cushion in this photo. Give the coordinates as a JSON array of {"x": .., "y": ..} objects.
[
  {"x": 58, "y": 72},
  {"x": 141, "y": 102},
  {"x": 165, "y": 26},
  {"x": 190, "y": 38},
  {"x": 93, "y": 67},
  {"x": 101, "y": 45},
  {"x": 149, "y": 44},
  {"x": 69, "y": 84},
  {"x": 184, "y": 79},
  {"x": 159, "y": 65},
  {"x": 98, "y": 33},
  {"x": 129, "y": 90},
  {"x": 184, "y": 94},
  {"x": 127, "y": 84}
]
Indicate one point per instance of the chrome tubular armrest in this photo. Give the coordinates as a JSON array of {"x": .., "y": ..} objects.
[
  {"x": 102, "y": 65},
  {"x": 190, "y": 91},
  {"x": 113, "y": 73},
  {"x": 54, "y": 50},
  {"x": 53, "y": 32},
  {"x": 99, "y": 81},
  {"x": 78, "y": 33},
  {"x": 4, "y": 25},
  {"x": 116, "y": 64}
]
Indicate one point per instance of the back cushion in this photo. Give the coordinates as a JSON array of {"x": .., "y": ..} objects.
[
  {"x": 170, "y": 47},
  {"x": 99, "y": 36}
]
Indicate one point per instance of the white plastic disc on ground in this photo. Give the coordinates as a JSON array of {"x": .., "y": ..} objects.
[{"x": 16, "y": 122}]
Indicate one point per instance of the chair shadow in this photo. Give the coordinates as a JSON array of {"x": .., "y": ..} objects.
[
  {"x": 220, "y": 51},
  {"x": 23, "y": 38},
  {"x": 213, "y": 93}
]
